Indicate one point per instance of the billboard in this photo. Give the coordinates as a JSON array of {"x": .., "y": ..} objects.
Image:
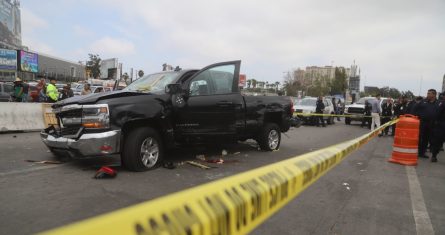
[
  {"x": 8, "y": 59},
  {"x": 29, "y": 62},
  {"x": 242, "y": 80}
]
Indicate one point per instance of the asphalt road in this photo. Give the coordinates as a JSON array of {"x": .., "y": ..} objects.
[{"x": 363, "y": 195}]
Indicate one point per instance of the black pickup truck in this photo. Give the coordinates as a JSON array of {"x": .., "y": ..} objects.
[{"x": 167, "y": 109}]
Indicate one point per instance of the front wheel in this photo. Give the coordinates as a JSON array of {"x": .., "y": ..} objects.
[
  {"x": 269, "y": 138},
  {"x": 347, "y": 121},
  {"x": 143, "y": 149}
]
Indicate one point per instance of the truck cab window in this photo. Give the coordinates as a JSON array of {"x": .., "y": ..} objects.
[{"x": 216, "y": 80}]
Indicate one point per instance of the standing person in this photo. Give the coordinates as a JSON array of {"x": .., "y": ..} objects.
[
  {"x": 319, "y": 110},
  {"x": 439, "y": 129},
  {"x": 375, "y": 113},
  {"x": 18, "y": 90},
  {"x": 25, "y": 91},
  {"x": 65, "y": 93},
  {"x": 41, "y": 90},
  {"x": 336, "y": 108},
  {"x": 386, "y": 114},
  {"x": 427, "y": 111},
  {"x": 51, "y": 91},
  {"x": 340, "y": 108},
  {"x": 86, "y": 89},
  {"x": 399, "y": 109},
  {"x": 412, "y": 104},
  {"x": 367, "y": 112},
  {"x": 70, "y": 92}
]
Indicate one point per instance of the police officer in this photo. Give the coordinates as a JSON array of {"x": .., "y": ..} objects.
[
  {"x": 386, "y": 113},
  {"x": 319, "y": 110},
  {"x": 439, "y": 129},
  {"x": 367, "y": 112},
  {"x": 427, "y": 111},
  {"x": 400, "y": 108}
]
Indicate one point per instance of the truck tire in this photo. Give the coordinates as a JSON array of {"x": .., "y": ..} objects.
[
  {"x": 269, "y": 138},
  {"x": 143, "y": 149},
  {"x": 347, "y": 121}
]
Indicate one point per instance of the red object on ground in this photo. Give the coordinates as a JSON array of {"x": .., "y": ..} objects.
[{"x": 105, "y": 172}]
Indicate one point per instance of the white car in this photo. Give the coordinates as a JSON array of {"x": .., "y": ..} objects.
[
  {"x": 307, "y": 106},
  {"x": 358, "y": 109}
]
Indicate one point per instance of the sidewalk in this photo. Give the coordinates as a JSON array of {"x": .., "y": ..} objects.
[{"x": 366, "y": 194}]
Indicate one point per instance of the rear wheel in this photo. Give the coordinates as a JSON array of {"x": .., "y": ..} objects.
[
  {"x": 143, "y": 150},
  {"x": 269, "y": 138}
]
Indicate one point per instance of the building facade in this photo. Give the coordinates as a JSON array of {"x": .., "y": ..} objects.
[
  {"x": 10, "y": 24},
  {"x": 60, "y": 69}
]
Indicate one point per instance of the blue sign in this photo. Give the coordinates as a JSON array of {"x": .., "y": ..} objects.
[{"x": 8, "y": 59}]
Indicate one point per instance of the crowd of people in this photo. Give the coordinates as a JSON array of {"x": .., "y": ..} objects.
[
  {"x": 429, "y": 110},
  {"x": 47, "y": 93}
]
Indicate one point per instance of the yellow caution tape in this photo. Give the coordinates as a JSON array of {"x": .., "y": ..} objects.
[
  {"x": 337, "y": 115},
  {"x": 233, "y": 205}
]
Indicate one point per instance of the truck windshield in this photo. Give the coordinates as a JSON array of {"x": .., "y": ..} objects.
[
  {"x": 362, "y": 100},
  {"x": 153, "y": 82},
  {"x": 308, "y": 102}
]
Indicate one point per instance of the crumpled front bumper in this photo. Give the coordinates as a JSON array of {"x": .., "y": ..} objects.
[{"x": 87, "y": 145}]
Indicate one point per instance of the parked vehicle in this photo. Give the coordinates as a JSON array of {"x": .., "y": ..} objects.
[
  {"x": 308, "y": 105},
  {"x": 6, "y": 89},
  {"x": 357, "y": 109},
  {"x": 167, "y": 109}
]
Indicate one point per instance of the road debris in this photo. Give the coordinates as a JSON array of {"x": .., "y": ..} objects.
[
  {"x": 202, "y": 166},
  {"x": 44, "y": 162},
  {"x": 169, "y": 165},
  {"x": 218, "y": 161},
  {"x": 359, "y": 163},
  {"x": 105, "y": 172},
  {"x": 201, "y": 157},
  {"x": 345, "y": 184}
]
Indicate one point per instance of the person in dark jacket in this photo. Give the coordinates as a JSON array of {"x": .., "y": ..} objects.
[
  {"x": 400, "y": 108},
  {"x": 319, "y": 110},
  {"x": 386, "y": 113},
  {"x": 439, "y": 129},
  {"x": 64, "y": 93},
  {"x": 367, "y": 112},
  {"x": 427, "y": 111},
  {"x": 412, "y": 104}
]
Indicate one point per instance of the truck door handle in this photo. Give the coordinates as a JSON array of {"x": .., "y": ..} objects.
[{"x": 224, "y": 103}]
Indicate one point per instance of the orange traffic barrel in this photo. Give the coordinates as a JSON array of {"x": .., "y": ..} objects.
[{"x": 406, "y": 141}]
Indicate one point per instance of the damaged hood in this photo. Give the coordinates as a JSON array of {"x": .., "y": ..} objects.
[{"x": 93, "y": 98}]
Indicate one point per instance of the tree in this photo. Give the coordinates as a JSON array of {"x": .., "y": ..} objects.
[
  {"x": 254, "y": 81},
  {"x": 340, "y": 82},
  {"x": 93, "y": 65},
  {"x": 249, "y": 82},
  {"x": 408, "y": 94}
]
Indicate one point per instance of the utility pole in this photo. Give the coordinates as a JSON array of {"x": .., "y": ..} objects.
[{"x": 420, "y": 86}]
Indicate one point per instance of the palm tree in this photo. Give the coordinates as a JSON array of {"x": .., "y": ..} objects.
[
  {"x": 254, "y": 83},
  {"x": 249, "y": 82}
]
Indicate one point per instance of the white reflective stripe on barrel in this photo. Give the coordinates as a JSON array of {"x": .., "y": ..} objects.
[{"x": 404, "y": 150}]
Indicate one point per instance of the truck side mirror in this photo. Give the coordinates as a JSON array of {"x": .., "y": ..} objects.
[{"x": 174, "y": 88}]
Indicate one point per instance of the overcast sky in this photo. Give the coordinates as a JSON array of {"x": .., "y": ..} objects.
[{"x": 396, "y": 43}]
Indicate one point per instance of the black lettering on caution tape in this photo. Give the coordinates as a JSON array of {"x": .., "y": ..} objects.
[
  {"x": 240, "y": 207},
  {"x": 179, "y": 221}
]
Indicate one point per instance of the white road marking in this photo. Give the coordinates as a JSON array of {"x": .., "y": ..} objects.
[
  {"x": 421, "y": 217},
  {"x": 3, "y": 174}
]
